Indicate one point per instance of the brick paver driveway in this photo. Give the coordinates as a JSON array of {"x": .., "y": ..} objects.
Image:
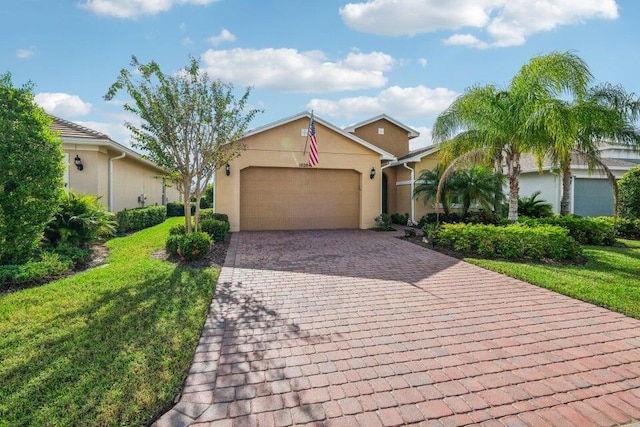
[{"x": 360, "y": 328}]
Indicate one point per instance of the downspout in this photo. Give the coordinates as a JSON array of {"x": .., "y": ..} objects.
[
  {"x": 381, "y": 169},
  {"x": 213, "y": 203},
  {"x": 413, "y": 202},
  {"x": 121, "y": 156}
]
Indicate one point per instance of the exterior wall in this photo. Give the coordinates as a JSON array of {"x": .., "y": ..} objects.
[
  {"x": 283, "y": 146},
  {"x": 395, "y": 139},
  {"x": 392, "y": 196},
  {"x": 87, "y": 180},
  {"x": 547, "y": 183},
  {"x": 130, "y": 180}
]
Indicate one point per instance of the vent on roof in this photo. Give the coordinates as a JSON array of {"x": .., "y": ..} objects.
[{"x": 380, "y": 131}]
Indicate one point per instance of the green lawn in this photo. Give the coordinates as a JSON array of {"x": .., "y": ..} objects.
[
  {"x": 610, "y": 278},
  {"x": 106, "y": 347}
]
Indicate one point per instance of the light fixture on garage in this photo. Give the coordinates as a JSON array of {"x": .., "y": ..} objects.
[
  {"x": 227, "y": 169},
  {"x": 372, "y": 174},
  {"x": 78, "y": 162}
]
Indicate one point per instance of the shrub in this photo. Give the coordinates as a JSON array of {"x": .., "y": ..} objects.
[
  {"x": 31, "y": 180},
  {"x": 383, "y": 222},
  {"x": 210, "y": 214},
  {"x": 50, "y": 266},
  {"x": 510, "y": 242},
  {"x": 401, "y": 219},
  {"x": 177, "y": 209},
  {"x": 80, "y": 221},
  {"x": 629, "y": 194},
  {"x": 140, "y": 218},
  {"x": 587, "y": 231},
  {"x": 433, "y": 218},
  {"x": 173, "y": 243},
  {"x": 177, "y": 230},
  {"x": 193, "y": 246},
  {"x": 628, "y": 228},
  {"x": 78, "y": 256},
  {"x": 216, "y": 229},
  {"x": 533, "y": 207}
]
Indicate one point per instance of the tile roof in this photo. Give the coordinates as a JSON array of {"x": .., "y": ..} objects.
[{"x": 73, "y": 130}]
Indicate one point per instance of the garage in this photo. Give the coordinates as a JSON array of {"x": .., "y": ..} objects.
[
  {"x": 275, "y": 198},
  {"x": 592, "y": 197}
]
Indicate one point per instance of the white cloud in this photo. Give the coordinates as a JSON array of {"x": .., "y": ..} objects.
[
  {"x": 506, "y": 23},
  {"x": 62, "y": 104},
  {"x": 187, "y": 41},
  {"x": 423, "y": 62},
  {"x": 421, "y": 141},
  {"x": 291, "y": 70},
  {"x": 131, "y": 9},
  {"x": 25, "y": 53},
  {"x": 116, "y": 131},
  {"x": 224, "y": 36},
  {"x": 419, "y": 101}
]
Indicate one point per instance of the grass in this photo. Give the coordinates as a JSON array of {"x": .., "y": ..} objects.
[
  {"x": 106, "y": 347},
  {"x": 610, "y": 278}
]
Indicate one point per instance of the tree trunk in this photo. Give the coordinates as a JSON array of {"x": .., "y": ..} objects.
[
  {"x": 187, "y": 203},
  {"x": 497, "y": 198},
  {"x": 565, "y": 201},
  {"x": 513, "y": 171}
]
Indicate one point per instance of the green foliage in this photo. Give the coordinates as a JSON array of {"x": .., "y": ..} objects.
[
  {"x": 207, "y": 194},
  {"x": 383, "y": 222},
  {"x": 173, "y": 243},
  {"x": 533, "y": 207},
  {"x": 586, "y": 231},
  {"x": 31, "y": 173},
  {"x": 216, "y": 229},
  {"x": 510, "y": 242},
  {"x": 193, "y": 246},
  {"x": 210, "y": 214},
  {"x": 48, "y": 267},
  {"x": 434, "y": 218},
  {"x": 79, "y": 221},
  {"x": 624, "y": 227},
  {"x": 177, "y": 209},
  {"x": 177, "y": 229},
  {"x": 427, "y": 187},
  {"x": 629, "y": 194},
  {"x": 476, "y": 185},
  {"x": 75, "y": 254},
  {"x": 400, "y": 219},
  {"x": 140, "y": 218}
]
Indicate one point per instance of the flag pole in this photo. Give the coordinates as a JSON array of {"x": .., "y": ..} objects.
[{"x": 306, "y": 142}]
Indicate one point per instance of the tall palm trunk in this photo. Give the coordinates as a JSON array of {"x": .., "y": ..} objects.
[
  {"x": 513, "y": 172},
  {"x": 565, "y": 201},
  {"x": 497, "y": 198}
]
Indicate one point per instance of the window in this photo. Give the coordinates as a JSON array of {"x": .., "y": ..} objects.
[
  {"x": 304, "y": 132},
  {"x": 380, "y": 131}
]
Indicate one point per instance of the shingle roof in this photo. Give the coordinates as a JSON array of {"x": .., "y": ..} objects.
[{"x": 528, "y": 162}]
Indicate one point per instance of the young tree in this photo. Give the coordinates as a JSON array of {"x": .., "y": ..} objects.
[
  {"x": 488, "y": 123},
  {"x": 191, "y": 124},
  {"x": 629, "y": 185},
  {"x": 476, "y": 184},
  {"x": 31, "y": 171},
  {"x": 427, "y": 187}
]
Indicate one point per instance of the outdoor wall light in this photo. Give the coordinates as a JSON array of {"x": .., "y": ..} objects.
[
  {"x": 227, "y": 169},
  {"x": 372, "y": 174},
  {"x": 78, "y": 162}
]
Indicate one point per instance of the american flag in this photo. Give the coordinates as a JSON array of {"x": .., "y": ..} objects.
[{"x": 313, "y": 147}]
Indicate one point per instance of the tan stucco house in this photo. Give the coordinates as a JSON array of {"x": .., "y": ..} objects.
[
  {"x": 363, "y": 170},
  {"x": 95, "y": 164}
]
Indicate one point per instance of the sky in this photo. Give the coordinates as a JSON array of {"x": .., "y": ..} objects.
[{"x": 347, "y": 62}]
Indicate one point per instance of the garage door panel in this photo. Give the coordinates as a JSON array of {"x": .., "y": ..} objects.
[{"x": 294, "y": 199}]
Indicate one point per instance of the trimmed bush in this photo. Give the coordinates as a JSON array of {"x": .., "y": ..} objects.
[
  {"x": 210, "y": 214},
  {"x": 177, "y": 209},
  {"x": 193, "y": 246},
  {"x": 78, "y": 256},
  {"x": 178, "y": 229},
  {"x": 173, "y": 243},
  {"x": 510, "y": 242},
  {"x": 140, "y": 218},
  {"x": 400, "y": 219},
  {"x": 216, "y": 229},
  {"x": 626, "y": 228},
  {"x": 433, "y": 218},
  {"x": 50, "y": 266},
  {"x": 586, "y": 231},
  {"x": 629, "y": 194}
]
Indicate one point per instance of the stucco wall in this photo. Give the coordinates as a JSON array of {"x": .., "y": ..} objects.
[
  {"x": 283, "y": 146},
  {"x": 395, "y": 140},
  {"x": 548, "y": 184}
]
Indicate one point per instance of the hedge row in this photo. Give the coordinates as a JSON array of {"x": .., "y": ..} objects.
[
  {"x": 587, "y": 231},
  {"x": 139, "y": 218},
  {"x": 625, "y": 227},
  {"x": 177, "y": 209},
  {"x": 510, "y": 242}
]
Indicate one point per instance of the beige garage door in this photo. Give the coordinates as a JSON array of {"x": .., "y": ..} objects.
[{"x": 298, "y": 199}]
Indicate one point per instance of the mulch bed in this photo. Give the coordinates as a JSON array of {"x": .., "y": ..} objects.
[{"x": 214, "y": 259}]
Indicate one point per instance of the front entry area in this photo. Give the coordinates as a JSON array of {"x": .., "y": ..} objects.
[{"x": 299, "y": 199}]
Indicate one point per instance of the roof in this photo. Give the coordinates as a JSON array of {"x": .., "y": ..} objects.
[
  {"x": 528, "y": 163},
  {"x": 417, "y": 155},
  {"x": 306, "y": 114},
  {"x": 412, "y": 132},
  {"x": 74, "y": 133}
]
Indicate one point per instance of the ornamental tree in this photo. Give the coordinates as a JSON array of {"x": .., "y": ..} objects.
[
  {"x": 31, "y": 172},
  {"x": 629, "y": 194},
  {"x": 191, "y": 125}
]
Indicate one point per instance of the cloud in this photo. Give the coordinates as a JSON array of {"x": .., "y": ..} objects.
[
  {"x": 421, "y": 141},
  {"x": 62, "y": 104},
  {"x": 132, "y": 9},
  {"x": 419, "y": 101},
  {"x": 25, "y": 53},
  {"x": 224, "y": 36},
  {"x": 116, "y": 131},
  {"x": 423, "y": 62},
  {"x": 291, "y": 70},
  {"x": 187, "y": 41},
  {"x": 505, "y": 23}
]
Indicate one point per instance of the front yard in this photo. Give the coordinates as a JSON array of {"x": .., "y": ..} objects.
[
  {"x": 108, "y": 346},
  {"x": 610, "y": 278}
]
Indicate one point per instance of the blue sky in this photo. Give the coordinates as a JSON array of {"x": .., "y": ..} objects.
[{"x": 346, "y": 61}]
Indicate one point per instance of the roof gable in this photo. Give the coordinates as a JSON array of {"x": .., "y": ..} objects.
[{"x": 412, "y": 133}]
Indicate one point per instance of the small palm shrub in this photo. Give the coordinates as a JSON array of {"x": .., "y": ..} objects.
[
  {"x": 79, "y": 221},
  {"x": 533, "y": 207},
  {"x": 193, "y": 246}
]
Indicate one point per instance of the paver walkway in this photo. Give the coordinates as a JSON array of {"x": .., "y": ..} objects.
[{"x": 359, "y": 328}]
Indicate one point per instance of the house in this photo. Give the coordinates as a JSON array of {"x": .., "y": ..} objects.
[
  {"x": 592, "y": 193},
  {"x": 95, "y": 164},
  {"x": 363, "y": 170}
]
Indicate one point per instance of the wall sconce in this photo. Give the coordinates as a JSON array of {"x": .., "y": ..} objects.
[
  {"x": 78, "y": 162},
  {"x": 227, "y": 169},
  {"x": 372, "y": 174}
]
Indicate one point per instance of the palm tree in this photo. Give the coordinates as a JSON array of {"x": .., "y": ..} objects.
[
  {"x": 534, "y": 207},
  {"x": 476, "y": 184},
  {"x": 427, "y": 187},
  {"x": 491, "y": 124},
  {"x": 576, "y": 128}
]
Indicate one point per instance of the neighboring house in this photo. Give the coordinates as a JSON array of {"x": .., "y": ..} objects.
[
  {"x": 592, "y": 193},
  {"x": 95, "y": 164},
  {"x": 363, "y": 170}
]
